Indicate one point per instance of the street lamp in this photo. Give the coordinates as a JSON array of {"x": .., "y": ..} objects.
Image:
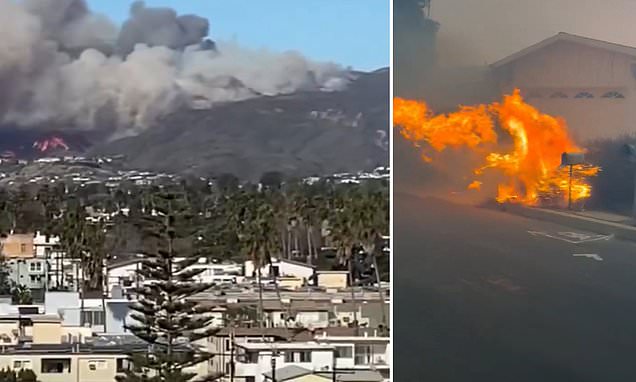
[
  {"x": 275, "y": 353},
  {"x": 571, "y": 160}
]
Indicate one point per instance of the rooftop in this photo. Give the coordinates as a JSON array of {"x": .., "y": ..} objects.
[
  {"x": 562, "y": 36},
  {"x": 308, "y": 345}
]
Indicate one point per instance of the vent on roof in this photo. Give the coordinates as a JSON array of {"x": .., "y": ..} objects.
[
  {"x": 584, "y": 95},
  {"x": 613, "y": 94}
]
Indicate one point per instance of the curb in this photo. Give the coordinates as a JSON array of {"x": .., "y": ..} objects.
[{"x": 586, "y": 223}]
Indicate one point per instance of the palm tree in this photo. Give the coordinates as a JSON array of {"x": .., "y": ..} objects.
[
  {"x": 72, "y": 240},
  {"x": 95, "y": 256},
  {"x": 371, "y": 222},
  {"x": 342, "y": 232}
]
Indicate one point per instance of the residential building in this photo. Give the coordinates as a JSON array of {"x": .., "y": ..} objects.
[
  {"x": 588, "y": 82},
  {"x": 256, "y": 358},
  {"x": 17, "y": 245},
  {"x": 30, "y": 272},
  {"x": 307, "y": 355},
  {"x": 123, "y": 272},
  {"x": 332, "y": 279},
  {"x": 366, "y": 350},
  {"x": 281, "y": 268}
]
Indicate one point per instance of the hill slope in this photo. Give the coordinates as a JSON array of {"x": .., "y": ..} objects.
[{"x": 299, "y": 134}]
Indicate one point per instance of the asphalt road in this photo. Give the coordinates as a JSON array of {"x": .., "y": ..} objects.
[{"x": 480, "y": 298}]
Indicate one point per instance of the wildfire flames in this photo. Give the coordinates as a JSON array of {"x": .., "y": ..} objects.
[
  {"x": 50, "y": 144},
  {"x": 530, "y": 166}
]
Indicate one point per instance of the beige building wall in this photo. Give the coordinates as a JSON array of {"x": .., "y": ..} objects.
[
  {"x": 336, "y": 280},
  {"x": 571, "y": 68},
  {"x": 18, "y": 246},
  {"x": 47, "y": 332},
  {"x": 96, "y": 369},
  {"x": 291, "y": 282}
]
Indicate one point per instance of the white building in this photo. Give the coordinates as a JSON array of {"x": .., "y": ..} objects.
[
  {"x": 123, "y": 274},
  {"x": 254, "y": 358},
  {"x": 281, "y": 268},
  {"x": 368, "y": 351}
]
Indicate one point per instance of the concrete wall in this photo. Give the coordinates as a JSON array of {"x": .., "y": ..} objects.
[{"x": 573, "y": 68}]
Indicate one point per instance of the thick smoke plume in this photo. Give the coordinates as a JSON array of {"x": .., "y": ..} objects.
[{"x": 63, "y": 66}]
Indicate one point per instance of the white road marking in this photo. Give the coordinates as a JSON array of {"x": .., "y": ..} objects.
[
  {"x": 589, "y": 255},
  {"x": 572, "y": 237}
]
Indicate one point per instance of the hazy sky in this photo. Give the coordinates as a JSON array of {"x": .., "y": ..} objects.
[
  {"x": 350, "y": 32},
  {"x": 483, "y": 31}
]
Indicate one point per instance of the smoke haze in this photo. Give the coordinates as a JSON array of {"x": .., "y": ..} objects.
[
  {"x": 62, "y": 65},
  {"x": 476, "y": 32}
]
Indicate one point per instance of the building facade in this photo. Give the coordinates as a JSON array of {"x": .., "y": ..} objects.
[{"x": 590, "y": 83}]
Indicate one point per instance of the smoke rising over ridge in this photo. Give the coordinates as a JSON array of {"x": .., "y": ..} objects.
[{"x": 62, "y": 65}]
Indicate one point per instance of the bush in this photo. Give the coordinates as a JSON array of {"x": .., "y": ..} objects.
[{"x": 613, "y": 187}]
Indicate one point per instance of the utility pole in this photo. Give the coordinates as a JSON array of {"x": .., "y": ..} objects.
[
  {"x": 273, "y": 367},
  {"x": 232, "y": 355},
  {"x": 570, "y": 189},
  {"x": 274, "y": 355}
]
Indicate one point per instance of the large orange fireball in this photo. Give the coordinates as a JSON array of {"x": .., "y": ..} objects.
[{"x": 531, "y": 165}]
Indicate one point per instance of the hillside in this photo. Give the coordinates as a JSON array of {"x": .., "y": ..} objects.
[{"x": 299, "y": 134}]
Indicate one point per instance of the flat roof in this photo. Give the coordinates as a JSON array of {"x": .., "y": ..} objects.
[{"x": 309, "y": 345}]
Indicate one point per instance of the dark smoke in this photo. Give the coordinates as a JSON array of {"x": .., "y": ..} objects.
[
  {"x": 160, "y": 27},
  {"x": 62, "y": 65}
]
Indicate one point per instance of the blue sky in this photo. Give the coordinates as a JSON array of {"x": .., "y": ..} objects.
[{"x": 350, "y": 32}]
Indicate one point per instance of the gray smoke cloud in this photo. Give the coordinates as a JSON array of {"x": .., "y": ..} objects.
[{"x": 62, "y": 65}]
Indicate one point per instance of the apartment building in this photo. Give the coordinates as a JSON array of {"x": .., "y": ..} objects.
[
  {"x": 348, "y": 354},
  {"x": 255, "y": 358},
  {"x": 17, "y": 245}
]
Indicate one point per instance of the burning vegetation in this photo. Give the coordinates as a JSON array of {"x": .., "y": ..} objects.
[
  {"x": 51, "y": 143},
  {"x": 528, "y": 162}
]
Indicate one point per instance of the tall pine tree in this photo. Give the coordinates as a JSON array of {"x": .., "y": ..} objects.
[{"x": 165, "y": 316}]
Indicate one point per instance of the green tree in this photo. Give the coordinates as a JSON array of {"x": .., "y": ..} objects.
[
  {"x": 27, "y": 375},
  {"x": 164, "y": 315},
  {"x": 21, "y": 295}
]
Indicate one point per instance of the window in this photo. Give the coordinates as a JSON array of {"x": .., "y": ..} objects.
[
  {"x": 123, "y": 364},
  {"x": 559, "y": 95},
  {"x": 584, "y": 95},
  {"x": 227, "y": 344},
  {"x": 22, "y": 364},
  {"x": 23, "y": 248},
  {"x": 93, "y": 317},
  {"x": 97, "y": 364},
  {"x": 363, "y": 355},
  {"x": 35, "y": 267},
  {"x": 298, "y": 356},
  {"x": 344, "y": 352},
  {"x": 56, "y": 365},
  {"x": 613, "y": 94},
  {"x": 250, "y": 357}
]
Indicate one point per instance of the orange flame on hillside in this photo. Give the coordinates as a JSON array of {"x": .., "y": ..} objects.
[
  {"x": 50, "y": 143},
  {"x": 531, "y": 166}
]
